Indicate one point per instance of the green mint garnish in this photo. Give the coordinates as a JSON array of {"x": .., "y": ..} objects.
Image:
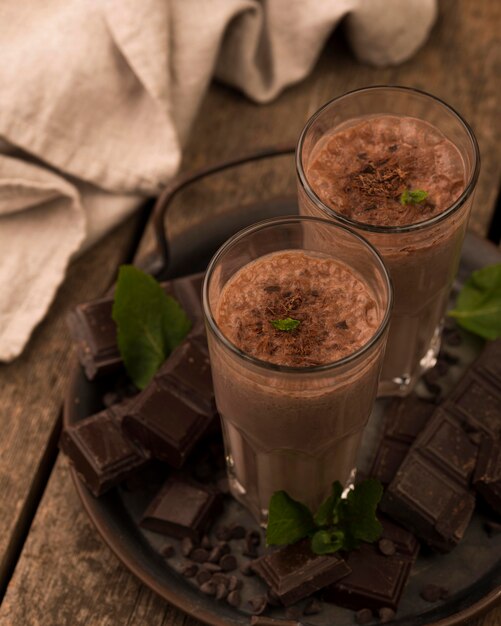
[
  {"x": 150, "y": 324},
  {"x": 478, "y": 306},
  {"x": 339, "y": 524},
  {"x": 413, "y": 197},
  {"x": 286, "y": 324}
]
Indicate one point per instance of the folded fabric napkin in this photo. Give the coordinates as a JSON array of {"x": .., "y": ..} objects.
[{"x": 97, "y": 99}]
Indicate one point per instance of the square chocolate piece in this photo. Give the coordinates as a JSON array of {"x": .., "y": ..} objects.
[
  {"x": 100, "y": 452},
  {"x": 295, "y": 572},
  {"x": 182, "y": 509},
  {"x": 479, "y": 401},
  {"x": 407, "y": 417},
  {"x": 165, "y": 424},
  {"x": 487, "y": 477}
]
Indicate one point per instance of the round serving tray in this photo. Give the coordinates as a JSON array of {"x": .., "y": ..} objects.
[{"x": 472, "y": 572}]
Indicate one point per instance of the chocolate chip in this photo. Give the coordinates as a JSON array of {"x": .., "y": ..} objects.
[
  {"x": 492, "y": 528},
  {"x": 246, "y": 569},
  {"x": 257, "y": 604},
  {"x": 386, "y": 614},
  {"x": 386, "y": 547},
  {"x": 237, "y": 531},
  {"x": 206, "y": 543},
  {"x": 223, "y": 533},
  {"x": 293, "y": 612},
  {"x": 221, "y": 591},
  {"x": 187, "y": 546},
  {"x": 342, "y": 325},
  {"x": 312, "y": 607},
  {"x": 168, "y": 551},
  {"x": 189, "y": 570},
  {"x": 199, "y": 555},
  {"x": 433, "y": 593},
  {"x": 234, "y": 599},
  {"x": 271, "y": 288},
  {"x": 209, "y": 588},
  {"x": 393, "y": 148},
  {"x": 364, "y": 616},
  {"x": 234, "y": 583},
  {"x": 203, "y": 576},
  {"x": 228, "y": 563},
  {"x": 368, "y": 169}
]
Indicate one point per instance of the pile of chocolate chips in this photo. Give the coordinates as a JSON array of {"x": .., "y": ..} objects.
[{"x": 447, "y": 447}]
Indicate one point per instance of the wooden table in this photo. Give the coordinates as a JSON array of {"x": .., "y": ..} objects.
[{"x": 54, "y": 569}]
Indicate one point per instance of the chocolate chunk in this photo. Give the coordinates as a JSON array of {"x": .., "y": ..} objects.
[
  {"x": 487, "y": 477},
  {"x": 199, "y": 555},
  {"x": 187, "y": 372},
  {"x": 203, "y": 576},
  {"x": 182, "y": 509},
  {"x": 386, "y": 614},
  {"x": 95, "y": 335},
  {"x": 189, "y": 570},
  {"x": 228, "y": 563},
  {"x": 393, "y": 148},
  {"x": 101, "y": 455},
  {"x": 312, "y": 607},
  {"x": 427, "y": 501},
  {"x": 386, "y": 547},
  {"x": 477, "y": 400},
  {"x": 165, "y": 424},
  {"x": 363, "y": 616},
  {"x": 257, "y": 604},
  {"x": 209, "y": 588},
  {"x": 234, "y": 599},
  {"x": 433, "y": 593},
  {"x": 168, "y": 551},
  {"x": 341, "y": 325},
  {"x": 294, "y": 572}
]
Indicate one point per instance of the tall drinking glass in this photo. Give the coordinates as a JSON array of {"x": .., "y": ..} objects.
[
  {"x": 400, "y": 167},
  {"x": 296, "y": 428}
]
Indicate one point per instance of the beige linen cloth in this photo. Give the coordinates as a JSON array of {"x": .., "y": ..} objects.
[{"x": 97, "y": 98}]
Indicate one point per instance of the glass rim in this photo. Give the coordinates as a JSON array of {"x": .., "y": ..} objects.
[
  {"x": 453, "y": 208},
  {"x": 310, "y": 369}
]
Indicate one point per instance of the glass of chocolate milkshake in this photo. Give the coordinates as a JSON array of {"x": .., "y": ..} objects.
[
  {"x": 400, "y": 167},
  {"x": 297, "y": 311}
]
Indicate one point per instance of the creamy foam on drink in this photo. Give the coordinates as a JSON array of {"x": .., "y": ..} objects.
[
  {"x": 362, "y": 170},
  {"x": 336, "y": 312},
  {"x": 296, "y": 431}
]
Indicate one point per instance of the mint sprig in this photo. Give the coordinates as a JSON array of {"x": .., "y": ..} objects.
[
  {"x": 415, "y": 196},
  {"x": 339, "y": 523},
  {"x": 286, "y": 324},
  {"x": 150, "y": 323},
  {"x": 478, "y": 306}
]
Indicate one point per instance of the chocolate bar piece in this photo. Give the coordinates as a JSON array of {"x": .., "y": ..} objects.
[
  {"x": 94, "y": 331},
  {"x": 182, "y": 509},
  {"x": 446, "y": 443},
  {"x": 479, "y": 402},
  {"x": 165, "y": 424},
  {"x": 429, "y": 502},
  {"x": 187, "y": 371},
  {"x": 99, "y": 451},
  {"x": 376, "y": 580},
  {"x": 404, "y": 420},
  {"x": 295, "y": 572},
  {"x": 487, "y": 477},
  {"x": 488, "y": 364}
]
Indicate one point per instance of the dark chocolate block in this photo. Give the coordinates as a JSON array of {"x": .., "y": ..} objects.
[
  {"x": 487, "y": 477},
  {"x": 187, "y": 371},
  {"x": 182, "y": 509},
  {"x": 479, "y": 402},
  {"x": 100, "y": 453},
  {"x": 94, "y": 331},
  {"x": 488, "y": 363},
  {"x": 165, "y": 424},
  {"x": 295, "y": 572},
  {"x": 376, "y": 580},
  {"x": 447, "y": 444},
  {"x": 427, "y": 501}
]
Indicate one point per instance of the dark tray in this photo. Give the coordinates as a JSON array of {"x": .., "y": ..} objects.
[{"x": 472, "y": 572}]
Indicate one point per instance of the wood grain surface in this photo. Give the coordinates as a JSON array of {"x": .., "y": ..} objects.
[{"x": 65, "y": 575}]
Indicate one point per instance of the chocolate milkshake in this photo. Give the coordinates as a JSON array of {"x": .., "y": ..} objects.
[
  {"x": 296, "y": 340},
  {"x": 406, "y": 185}
]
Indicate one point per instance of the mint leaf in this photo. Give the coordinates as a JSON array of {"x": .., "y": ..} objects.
[
  {"x": 286, "y": 324},
  {"x": 358, "y": 512},
  {"x": 478, "y": 306},
  {"x": 327, "y": 511},
  {"x": 327, "y": 541},
  {"x": 288, "y": 520},
  {"x": 415, "y": 196},
  {"x": 149, "y": 323}
]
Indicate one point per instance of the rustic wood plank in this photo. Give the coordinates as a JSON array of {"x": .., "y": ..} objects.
[
  {"x": 32, "y": 388},
  {"x": 65, "y": 574}
]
